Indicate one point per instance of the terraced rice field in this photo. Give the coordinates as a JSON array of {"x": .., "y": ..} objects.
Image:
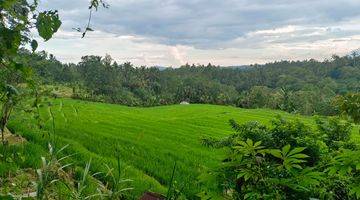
[{"x": 150, "y": 140}]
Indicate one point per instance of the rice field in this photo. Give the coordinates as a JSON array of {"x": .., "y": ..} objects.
[{"x": 149, "y": 140}]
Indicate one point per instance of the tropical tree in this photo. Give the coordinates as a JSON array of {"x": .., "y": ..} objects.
[{"x": 349, "y": 105}]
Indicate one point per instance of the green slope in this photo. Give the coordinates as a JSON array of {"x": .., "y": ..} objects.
[{"x": 150, "y": 139}]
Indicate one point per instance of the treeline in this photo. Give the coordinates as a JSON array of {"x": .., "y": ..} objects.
[{"x": 306, "y": 87}]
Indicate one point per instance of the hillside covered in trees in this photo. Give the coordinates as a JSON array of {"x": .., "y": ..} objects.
[{"x": 306, "y": 87}]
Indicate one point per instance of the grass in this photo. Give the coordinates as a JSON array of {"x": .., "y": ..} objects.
[{"x": 150, "y": 140}]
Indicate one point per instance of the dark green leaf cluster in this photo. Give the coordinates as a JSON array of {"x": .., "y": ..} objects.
[
  {"x": 289, "y": 160},
  {"x": 349, "y": 105}
]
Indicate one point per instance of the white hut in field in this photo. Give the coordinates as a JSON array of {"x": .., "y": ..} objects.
[{"x": 184, "y": 103}]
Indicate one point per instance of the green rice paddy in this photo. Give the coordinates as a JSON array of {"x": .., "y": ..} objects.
[{"x": 150, "y": 140}]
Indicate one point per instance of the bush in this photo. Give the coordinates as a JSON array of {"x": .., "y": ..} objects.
[
  {"x": 336, "y": 133},
  {"x": 289, "y": 160}
]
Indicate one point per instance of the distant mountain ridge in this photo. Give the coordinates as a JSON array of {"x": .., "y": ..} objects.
[
  {"x": 239, "y": 67},
  {"x": 161, "y": 68}
]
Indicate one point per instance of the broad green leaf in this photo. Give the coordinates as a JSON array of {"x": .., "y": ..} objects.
[
  {"x": 242, "y": 143},
  {"x": 249, "y": 142},
  {"x": 47, "y": 24},
  {"x": 296, "y": 150},
  {"x": 247, "y": 176},
  {"x": 276, "y": 153},
  {"x": 257, "y": 144},
  {"x": 286, "y": 149},
  {"x": 297, "y": 166},
  {"x": 299, "y": 155}
]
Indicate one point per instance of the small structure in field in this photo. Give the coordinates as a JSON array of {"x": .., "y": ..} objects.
[
  {"x": 152, "y": 196},
  {"x": 184, "y": 103}
]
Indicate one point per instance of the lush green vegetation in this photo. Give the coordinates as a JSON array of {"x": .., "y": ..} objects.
[
  {"x": 163, "y": 149},
  {"x": 19, "y": 20},
  {"x": 150, "y": 140},
  {"x": 349, "y": 105},
  {"x": 290, "y": 160},
  {"x": 306, "y": 87}
]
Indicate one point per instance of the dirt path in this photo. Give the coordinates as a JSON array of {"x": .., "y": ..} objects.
[{"x": 13, "y": 139}]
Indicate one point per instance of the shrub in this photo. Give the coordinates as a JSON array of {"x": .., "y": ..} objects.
[
  {"x": 289, "y": 160},
  {"x": 336, "y": 133}
]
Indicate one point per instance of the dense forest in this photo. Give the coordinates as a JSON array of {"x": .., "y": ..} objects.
[{"x": 306, "y": 87}]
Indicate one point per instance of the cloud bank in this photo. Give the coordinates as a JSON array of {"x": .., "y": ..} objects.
[{"x": 224, "y": 32}]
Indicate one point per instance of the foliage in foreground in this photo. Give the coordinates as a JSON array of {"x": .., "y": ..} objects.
[
  {"x": 57, "y": 178},
  {"x": 289, "y": 160}
]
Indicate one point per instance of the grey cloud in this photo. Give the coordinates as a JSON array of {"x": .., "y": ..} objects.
[{"x": 210, "y": 23}]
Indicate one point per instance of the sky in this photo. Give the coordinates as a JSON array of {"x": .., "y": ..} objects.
[{"x": 221, "y": 32}]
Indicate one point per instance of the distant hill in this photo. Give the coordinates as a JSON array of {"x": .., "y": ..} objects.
[
  {"x": 161, "y": 68},
  {"x": 240, "y": 67}
]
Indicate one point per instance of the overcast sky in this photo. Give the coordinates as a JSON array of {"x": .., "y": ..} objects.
[{"x": 223, "y": 32}]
